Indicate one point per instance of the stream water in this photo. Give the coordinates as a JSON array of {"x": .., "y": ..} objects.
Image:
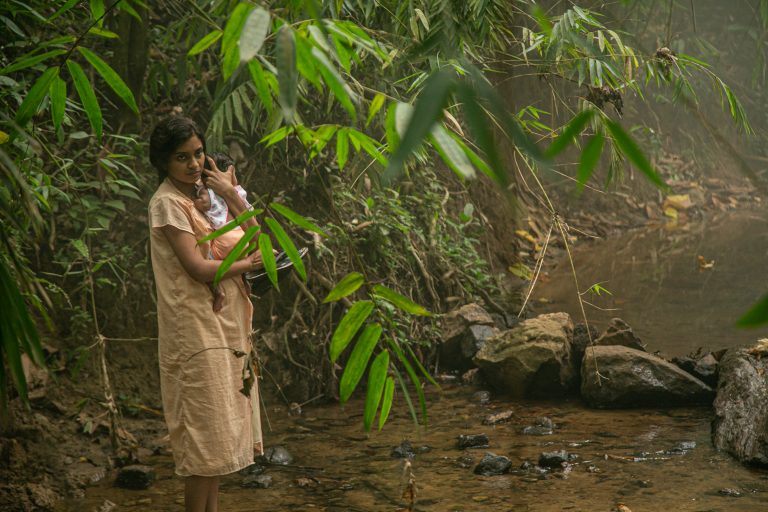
[
  {"x": 658, "y": 289},
  {"x": 625, "y": 456}
]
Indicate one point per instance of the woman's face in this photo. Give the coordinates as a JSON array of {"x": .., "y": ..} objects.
[{"x": 186, "y": 163}]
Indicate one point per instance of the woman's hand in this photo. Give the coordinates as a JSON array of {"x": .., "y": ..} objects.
[
  {"x": 255, "y": 260},
  {"x": 221, "y": 182}
]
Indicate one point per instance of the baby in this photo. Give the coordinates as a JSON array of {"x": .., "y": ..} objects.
[{"x": 215, "y": 209}]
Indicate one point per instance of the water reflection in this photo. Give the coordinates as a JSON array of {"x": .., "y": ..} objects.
[{"x": 660, "y": 291}]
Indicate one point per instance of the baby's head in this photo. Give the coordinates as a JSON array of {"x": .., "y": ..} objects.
[
  {"x": 222, "y": 160},
  {"x": 202, "y": 199}
]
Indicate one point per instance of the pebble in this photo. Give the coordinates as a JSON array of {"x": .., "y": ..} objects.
[
  {"x": 730, "y": 493},
  {"x": 482, "y": 397},
  {"x": 493, "y": 464},
  {"x": 256, "y": 482},
  {"x": 136, "y": 477},
  {"x": 553, "y": 459},
  {"x": 472, "y": 441}
]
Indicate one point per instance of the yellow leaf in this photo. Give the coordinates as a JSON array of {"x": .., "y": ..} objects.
[
  {"x": 523, "y": 234},
  {"x": 3, "y": 137},
  {"x": 670, "y": 212},
  {"x": 678, "y": 202},
  {"x": 521, "y": 270}
]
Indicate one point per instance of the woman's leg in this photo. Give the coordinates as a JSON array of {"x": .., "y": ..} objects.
[{"x": 201, "y": 493}]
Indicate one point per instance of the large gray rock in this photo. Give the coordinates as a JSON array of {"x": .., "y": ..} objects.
[
  {"x": 532, "y": 359},
  {"x": 464, "y": 331},
  {"x": 632, "y": 378},
  {"x": 620, "y": 333},
  {"x": 740, "y": 426}
]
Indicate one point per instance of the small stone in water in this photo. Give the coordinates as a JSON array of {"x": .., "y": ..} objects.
[
  {"x": 682, "y": 448},
  {"x": 482, "y": 397},
  {"x": 499, "y": 417},
  {"x": 278, "y": 455},
  {"x": 135, "y": 477},
  {"x": 403, "y": 451},
  {"x": 731, "y": 493},
  {"x": 493, "y": 464},
  {"x": 464, "y": 462},
  {"x": 472, "y": 441},
  {"x": 553, "y": 459},
  {"x": 256, "y": 482}
]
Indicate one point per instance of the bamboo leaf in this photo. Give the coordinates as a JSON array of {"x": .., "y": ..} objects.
[
  {"x": 428, "y": 109},
  {"x": 348, "y": 327},
  {"x": 342, "y": 147},
  {"x": 421, "y": 368},
  {"x": 756, "y": 316},
  {"x": 288, "y": 246},
  {"x": 205, "y": 43},
  {"x": 58, "y": 95},
  {"x": 358, "y": 360},
  {"x": 633, "y": 152},
  {"x": 234, "y": 27},
  {"x": 376, "y": 103},
  {"x": 229, "y": 65},
  {"x": 268, "y": 259},
  {"x": 414, "y": 378},
  {"x": 347, "y": 286},
  {"x": 590, "y": 156},
  {"x": 481, "y": 129},
  {"x": 408, "y": 401},
  {"x": 237, "y": 251},
  {"x": 111, "y": 77},
  {"x": 334, "y": 81},
  {"x": 297, "y": 219},
  {"x": 574, "y": 127},
  {"x": 254, "y": 32},
  {"x": 386, "y": 401},
  {"x": 376, "y": 378},
  {"x": 87, "y": 96},
  {"x": 262, "y": 87},
  {"x": 229, "y": 226},
  {"x": 400, "y": 301},
  {"x": 27, "y": 62},
  {"x": 286, "y": 72},
  {"x": 451, "y": 153},
  {"x": 34, "y": 97}
]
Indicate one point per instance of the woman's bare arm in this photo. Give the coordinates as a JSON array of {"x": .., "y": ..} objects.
[{"x": 185, "y": 247}]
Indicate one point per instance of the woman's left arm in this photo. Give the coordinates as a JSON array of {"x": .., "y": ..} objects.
[{"x": 221, "y": 182}]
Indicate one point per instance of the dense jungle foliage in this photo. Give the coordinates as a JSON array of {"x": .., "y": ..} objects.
[{"x": 360, "y": 128}]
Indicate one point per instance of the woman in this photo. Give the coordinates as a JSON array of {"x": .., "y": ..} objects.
[{"x": 214, "y": 427}]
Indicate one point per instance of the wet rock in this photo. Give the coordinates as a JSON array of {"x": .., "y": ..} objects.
[
  {"x": 42, "y": 497},
  {"x": 493, "y": 464},
  {"x": 403, "y": 451},
  {"x": 253, "y": 469},
  {"x": 256, "y": 482},
  {"x": 472, "y": 441},
  {"x": 703, "y": 368},
  {"x": 620, "y": 333},
  {"x": 482, "y": 397},
  {"x": 553, "y": 459},
  {"x": 499, "y": 417},
  {"x": 135, "y": 477},
  {"x": 464, "y": 462},
  {"x": 472, "y": 377},
  {"x": 681, "y": 448},
  {"x": 581, "y": 340},
  {"x": 637, "y": 379},
  {"x": 107, "y": 506},
  {"x": 730, "y": 493},
  {"x": 740, "y": 426},
  {"x": 532, "y": 359},
  {"x": 278, "y": 455},
  {"x": 464, "y": 330},
  {"x": 542, "y": 427}
]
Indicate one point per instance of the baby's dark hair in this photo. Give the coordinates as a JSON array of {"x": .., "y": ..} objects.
[
  {"x": 222, "y": 160},
  {"x": 169, "y": 134}
]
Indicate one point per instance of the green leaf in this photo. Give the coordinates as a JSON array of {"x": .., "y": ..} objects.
[
  {"x": 421, "y": 368},
  {"x": 451, "y": 153},
  {"x": 574, "y": 127},
  {"x": 230, "y": 63},
  {"x": 414, "y": 378},
  {"x": 376, "y": 378},
  {"x": 386, "y": 401},
  {"x": 342, "y": 147},
  {"x": 64, "y": 8},
  {"x": 254, "y": 32},
  {"x": 98, "y": 11},
  {"x": 87, "y": 96},
  {"x": 229, "y": 226},
  {"x": 407, "y": 396},
  {"x": 428, "y": 109},
  {"x": 287, "y": 244},
  {"x": 376, "y": 103},
  {"x": 633, "y": 152},
  {"x": 347, "y": 286},
  {"x": 262, "y": 87},
  {"x": 96, "y": 31},
  {"x": 268, "y": 259},
  {"x": 334, "y": 81},
  {"x": 369, "y": 145},
  {"x": 111, "y": 77},
  {"x": 27, "y": 62},
  {"x": 349, "y": 326},
  {"x": 286, "y": 72},
  {"x": 358, "y": 360},
  {"x": 400, "y": 301},
  {"x": 590, "y": 156},
  {"x": 81, "y": 248},
  {"x": 237, "y": 251},
  {"x": 296, "y": 218},
  {"x": 58, "y": 95},
  {"x": 756, "y": 316},
  {"x": 233, "y": 27},
  {"x": 34, "y": 97},
  {"x": 205, "y": 43},
  {"x": 481, "y": 128}
]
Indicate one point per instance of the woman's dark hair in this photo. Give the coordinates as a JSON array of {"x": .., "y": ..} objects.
[
  {"x": 222, "y": 160},
  {"x": 169, "y": 134}
]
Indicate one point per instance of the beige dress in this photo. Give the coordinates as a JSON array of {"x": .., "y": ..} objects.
[{"x": 214, "y": 428}]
